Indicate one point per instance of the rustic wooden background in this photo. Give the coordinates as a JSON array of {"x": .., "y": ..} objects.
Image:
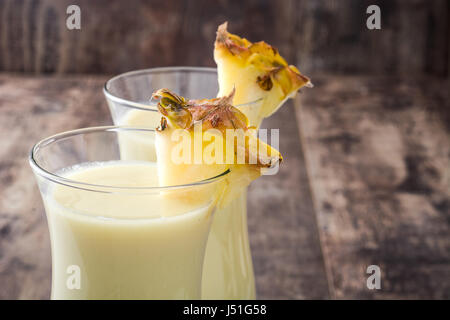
[
  {"x": 366, "y": 176},
  {"x": 319, "y": 35}
]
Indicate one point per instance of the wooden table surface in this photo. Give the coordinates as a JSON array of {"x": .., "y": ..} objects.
[{"x": 365, "y": 181}]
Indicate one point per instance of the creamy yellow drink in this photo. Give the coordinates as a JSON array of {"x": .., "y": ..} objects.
[
  {"x": 228, "y": 267},
  {"x": 126, "y": 245},
  {"x": 139, "y": 145}
]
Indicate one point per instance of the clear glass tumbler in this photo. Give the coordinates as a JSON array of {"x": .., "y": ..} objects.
[
  {"x": 114, "y": 233},
  {"x": 228, "y": 269}
]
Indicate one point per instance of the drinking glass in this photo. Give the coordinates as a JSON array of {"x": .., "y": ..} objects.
[
  {"x": 228, "y": 269},
  {"x": 115, "y": 234}
]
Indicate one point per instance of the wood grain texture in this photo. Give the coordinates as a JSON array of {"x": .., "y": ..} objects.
[
  {"x": 323, "y": 35},
  {"x": 378, "y": 157},
  {"x": 332, "y": 36},
  {"x": 282, "y": 225},
  {"x": 283, "y": 234}
]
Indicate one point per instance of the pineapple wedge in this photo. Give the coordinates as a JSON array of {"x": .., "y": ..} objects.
[
  {"x": 193, "y": 143},
  {"x": 258, "y": 72}
]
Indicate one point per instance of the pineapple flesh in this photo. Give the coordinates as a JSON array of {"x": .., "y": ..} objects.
[
  {"x": 262, "y": 77},
  {"x": 192, "y": 143}
]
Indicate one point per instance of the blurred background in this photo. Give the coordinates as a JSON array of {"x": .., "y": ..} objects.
[
  {"x": 367, "y": 170},
  {"x": 319, "y": 36}
]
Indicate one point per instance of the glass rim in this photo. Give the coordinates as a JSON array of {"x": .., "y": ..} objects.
[
  {"x": 133, "y": 104},
  {"x": 54, "y": 177},
  {"x": 138, "y": 105}
]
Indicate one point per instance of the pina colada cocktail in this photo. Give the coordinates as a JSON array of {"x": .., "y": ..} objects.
[
  {"x": 259, "y": 75},
  {"x": 227, "y": 270},
  {"x": 114, "y": 233}
]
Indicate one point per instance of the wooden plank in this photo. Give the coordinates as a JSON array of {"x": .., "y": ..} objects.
[
  {"x": 283, "y": 231},
  {"x": 326, "y": 36},
  {"x": 378, "y": 157}
]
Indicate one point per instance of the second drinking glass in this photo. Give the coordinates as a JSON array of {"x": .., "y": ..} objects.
[{"x": 228, "y": 269}]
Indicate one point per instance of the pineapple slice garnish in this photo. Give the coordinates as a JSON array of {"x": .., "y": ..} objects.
[
  {"x": 200, "y": 139},
  {"x": 258, "y": 72}
]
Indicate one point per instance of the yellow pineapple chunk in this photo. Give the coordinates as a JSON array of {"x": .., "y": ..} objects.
[
  {"x": 258, "y": 72},
  {"x": 193, "y": 143}
]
